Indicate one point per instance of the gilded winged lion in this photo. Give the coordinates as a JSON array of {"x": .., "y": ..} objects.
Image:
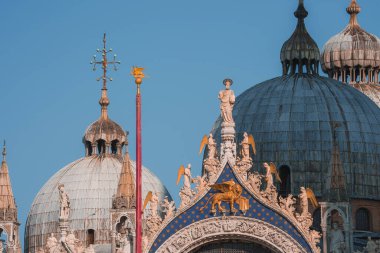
[{"x": 230, "y": 192}]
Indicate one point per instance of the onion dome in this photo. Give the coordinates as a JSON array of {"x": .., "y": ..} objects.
[
  {"x": 353, "y": 56},
  {"x": 300, "y": 53}
]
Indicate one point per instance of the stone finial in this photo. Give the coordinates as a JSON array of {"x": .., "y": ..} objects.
[{"x": 354, "y": 9}]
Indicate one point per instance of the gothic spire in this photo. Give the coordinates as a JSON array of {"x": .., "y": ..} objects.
[
  {"x": 6, "y": 194},
  {"x": 336, "y": 184},
  {"x": 125, "y": 195}
]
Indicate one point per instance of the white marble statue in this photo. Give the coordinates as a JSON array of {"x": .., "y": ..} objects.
[
  {"x": 371, "y": 246},
  {"x": 125, "y": 245},
  {"x": 336, "y": 240},
  {"x": 245, "y": 156},
  {"x": 154, "y": 205},
  {"x": 168, "y": 208},
  {"x": 211, "y": 146},
  {"x": 52, "y": 243},
  {"x": 268, "y": 177},
  {"x": 71, "y": 241},
  {"x": 186, "y": 193},
  {"x": 227, "y": 101},
  {"x": 65, "y": 203}
]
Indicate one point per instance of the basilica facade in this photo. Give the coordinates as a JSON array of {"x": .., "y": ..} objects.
[{"x": 291, "y": 165}]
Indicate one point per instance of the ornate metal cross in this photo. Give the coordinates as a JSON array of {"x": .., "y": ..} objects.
[{"x": 104, "y": 63}]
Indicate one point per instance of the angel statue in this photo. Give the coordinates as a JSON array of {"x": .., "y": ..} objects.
[
  {"x": 246, "y": 142},
  {"x": 211, "y": 146},
  {"x": 186, "y": 172},
  {"x": 185, "y": 193},
  {"x": 65, "y": 203},
  {"x": 304, "y": 196},
  {"x": 271, "y": 169},
  {"x": 227, "y": 101},
  {"x": 152, "y": 221},
  {"x": 151, "y": 198}
]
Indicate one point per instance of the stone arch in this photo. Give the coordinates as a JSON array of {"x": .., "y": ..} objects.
[
  {"x": 340, "y": 212},
  {"x": 237, "y": 228},
  {"x": 120, "y": 219}
]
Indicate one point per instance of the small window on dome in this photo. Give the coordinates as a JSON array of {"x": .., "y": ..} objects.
[
  {"x": 362, "y": 218},
  {"x": 114, "y": 147},
  {"x": 101, "y": 147},
  {"x": 88, "y": 148},
  {"x": 90, "y": 237},
  {"x": 285, "y": 187}
]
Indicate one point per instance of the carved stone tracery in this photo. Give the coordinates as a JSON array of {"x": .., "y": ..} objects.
[{"x": 236, "y": 227}]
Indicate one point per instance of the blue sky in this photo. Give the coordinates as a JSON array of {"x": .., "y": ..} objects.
[{"x": 49, "y": 95}]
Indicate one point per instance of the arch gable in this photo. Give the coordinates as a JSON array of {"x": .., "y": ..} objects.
[{"x": 237, "y": 228}]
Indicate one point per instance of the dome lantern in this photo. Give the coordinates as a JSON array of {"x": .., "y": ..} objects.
[
  {"x": 353, "y": 55},
  {"x": 300, "y": 53},
  {"x": 104, "y": 136}
]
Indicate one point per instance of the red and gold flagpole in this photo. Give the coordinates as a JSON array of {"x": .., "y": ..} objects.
[{"x": 139, "y": 75}]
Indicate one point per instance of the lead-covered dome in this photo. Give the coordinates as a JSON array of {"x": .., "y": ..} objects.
[
  {"x": 291, "y": 119},
  {"x": 91, "y": 183},
  {"x": 294, "y": 120},
  {"x": 353, "y": 56}
]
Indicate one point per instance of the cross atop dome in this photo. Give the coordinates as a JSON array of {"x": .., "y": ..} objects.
[
  {"x": 104, "y": 136},
  {"x": 104, "y": 101}
]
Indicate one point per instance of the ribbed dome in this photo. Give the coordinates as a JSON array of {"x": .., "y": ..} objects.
[
  {"x": 291, "y": 119},
  {"x": 370, "y": 90},
  {"x": 352, "y": 55},
  {"x": 104, "y": 129},
  {"x": 300, "y": 49},
  {"x": 90, "y": 183}
]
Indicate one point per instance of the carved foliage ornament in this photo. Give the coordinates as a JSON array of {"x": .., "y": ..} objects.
[{"x": 235, "y": 227}]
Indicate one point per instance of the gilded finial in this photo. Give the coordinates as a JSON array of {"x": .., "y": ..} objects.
[
  {"x": 354, "y": 9},
  {"x": 104, "y": 101},
  {"x": 4, "y": 151},
  {"x": 138, "y": 74}
]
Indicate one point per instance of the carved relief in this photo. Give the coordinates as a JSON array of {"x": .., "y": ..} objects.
[{"x": 235, "y": 227}]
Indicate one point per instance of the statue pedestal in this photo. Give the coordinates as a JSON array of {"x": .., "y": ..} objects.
[
  {"x": 63, "y": 227},
  {"x": 228, "y": 145}
]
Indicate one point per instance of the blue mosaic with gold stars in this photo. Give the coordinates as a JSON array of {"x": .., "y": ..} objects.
[{"x": 202, "y": 210}]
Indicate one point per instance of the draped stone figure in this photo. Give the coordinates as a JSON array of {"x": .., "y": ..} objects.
[
  {"x": 371, "y": 246},
  {"x": 65, "y": 203},
  {"x": 154, "y": 205},
  {"x": 336, "y": 240},
  {"x": 51, "y": 244},
  {"x": 227, "y": 101}
]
